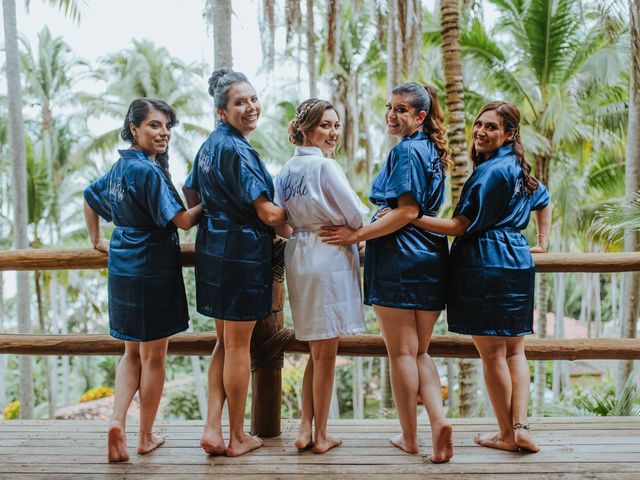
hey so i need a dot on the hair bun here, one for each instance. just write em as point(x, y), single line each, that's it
point(215, 78)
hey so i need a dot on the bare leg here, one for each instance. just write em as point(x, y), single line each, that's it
point(153, 355)
point(519, 370)
point(497, 378)
point(324, 363)
point(400, 335)
point(431, 391)
point(212, 440)
point(235, 376)
point(127, 384)
point(305, 434)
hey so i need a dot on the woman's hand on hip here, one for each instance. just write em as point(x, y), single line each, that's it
point(338, 235)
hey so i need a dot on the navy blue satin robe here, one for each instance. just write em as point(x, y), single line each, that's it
point(408, 268)
point(147, 300)
point(233, 247)
point(491, 278)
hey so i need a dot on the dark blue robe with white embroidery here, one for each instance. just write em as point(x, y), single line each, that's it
point(233, 247)
point(408, 268)
point(491, 278)
point(147, 300)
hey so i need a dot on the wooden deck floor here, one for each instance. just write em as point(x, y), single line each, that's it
point(572, 448)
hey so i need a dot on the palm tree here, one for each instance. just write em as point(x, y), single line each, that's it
point(311, 51)
point(19, 162)
point(51, 73)
point(454, 90)
point(632, 185)
point(20, 239)
point(218, 14)
point(145, 70)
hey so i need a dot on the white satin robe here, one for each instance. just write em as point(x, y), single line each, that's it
point(323, 280)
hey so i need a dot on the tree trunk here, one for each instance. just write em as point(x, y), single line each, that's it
point(3, 358)
point(357, 390)
point(219, 15)
point(452, 400)
point(19, 163)
point(540, 380)
point(454, 91)
point(632, 185)
point(559, 320)
point(597, 305)
point(311, 52)
point(45, 358)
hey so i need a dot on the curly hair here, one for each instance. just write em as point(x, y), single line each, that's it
point(137, 112)
point(307, 117)
point(425, 98)
point(511, 124)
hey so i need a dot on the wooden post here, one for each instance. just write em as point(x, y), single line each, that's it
point(266, 383)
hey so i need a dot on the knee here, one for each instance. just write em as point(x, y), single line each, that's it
point(154, 359)
point(323, 358)
point(131, 358)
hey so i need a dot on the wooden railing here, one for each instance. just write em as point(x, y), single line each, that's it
point(271, 341)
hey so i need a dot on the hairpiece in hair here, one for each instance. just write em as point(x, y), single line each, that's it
point(304, 110)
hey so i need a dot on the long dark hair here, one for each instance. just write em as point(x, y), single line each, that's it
point(511, 123)
point(138, 110)
point(425, 98)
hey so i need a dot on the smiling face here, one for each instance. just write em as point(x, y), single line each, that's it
point(243, 108)
point(488, 133)
point(153, 134)
point(401, 117)
point(325, 135)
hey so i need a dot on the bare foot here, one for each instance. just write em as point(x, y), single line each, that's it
point(212, 442)
point(409, 447)
point(248, 443)
point(495, 441)
point(148, 442)
point(441, 438)
point(304, 440)
point(524, 440)
point(117, 443)
point(325, 444)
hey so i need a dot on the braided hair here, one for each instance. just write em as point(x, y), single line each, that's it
point(137, 112)
point(307, 117)
point(511, 124)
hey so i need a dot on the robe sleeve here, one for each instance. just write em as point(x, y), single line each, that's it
point(162, 201)
point(97, 196)
point(277, 192)
point(193, 182)
point(405, 176)
point(484, 199)
point(338, 192)
point(242, 179)
point(540, 198)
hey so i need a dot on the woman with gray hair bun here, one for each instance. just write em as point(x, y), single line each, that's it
point(233, 252)
point(323, 280)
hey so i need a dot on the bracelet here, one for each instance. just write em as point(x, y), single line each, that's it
point(541, 235)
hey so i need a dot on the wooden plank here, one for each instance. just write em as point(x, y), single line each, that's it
point(584, 468)
point(88, 258)
point(356, 345)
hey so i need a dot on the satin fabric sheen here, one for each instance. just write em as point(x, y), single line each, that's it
point(233, 247)
point(147, 300)
point(408, 268)
point(323, 280)
point(491, 283)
